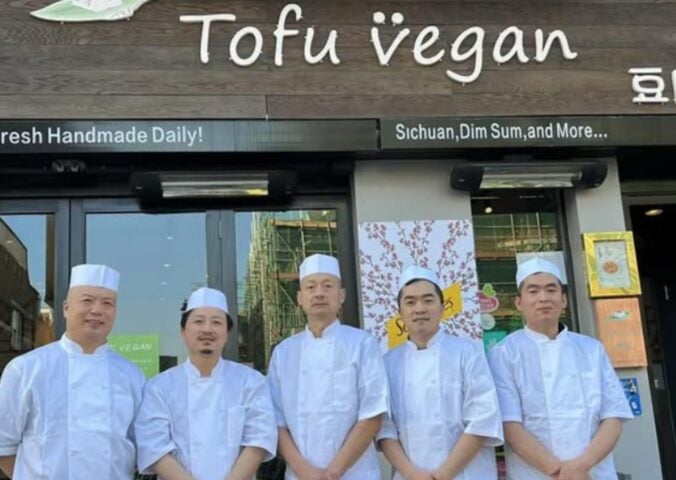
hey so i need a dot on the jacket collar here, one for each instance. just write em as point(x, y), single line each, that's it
point(194, 373)
point(539, 337)
point(329, 332)
point(71, 346)
point(431, 343)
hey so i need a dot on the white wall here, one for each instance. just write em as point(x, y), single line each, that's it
point(407, 190)
point(599, 210)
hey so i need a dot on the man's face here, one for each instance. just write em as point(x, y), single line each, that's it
point(206, 331)
point(90, 314)
point(541, 300)
point(321, 296)
point(421, 309)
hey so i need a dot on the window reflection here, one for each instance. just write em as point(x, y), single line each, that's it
point(161, 259)
point(499, 239)
point(505, 227)
point(270, 246)
point(26, 284)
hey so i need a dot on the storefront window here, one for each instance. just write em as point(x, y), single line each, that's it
point(270, 247)
point(168, 259)
point(508, 228)
point(26, 284)
point(161, 260)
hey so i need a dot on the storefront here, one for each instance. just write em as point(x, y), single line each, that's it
point(220, 142)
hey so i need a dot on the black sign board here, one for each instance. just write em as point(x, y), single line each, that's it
point(187, 136)
point(468, 132)
point(91, 136)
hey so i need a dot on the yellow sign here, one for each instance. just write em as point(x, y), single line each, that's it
point(396, 330)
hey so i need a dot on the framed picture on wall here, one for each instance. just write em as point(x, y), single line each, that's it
point(618, 327)
point(612, 270)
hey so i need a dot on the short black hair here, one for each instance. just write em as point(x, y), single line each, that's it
point(437, 290)
point(186, 313)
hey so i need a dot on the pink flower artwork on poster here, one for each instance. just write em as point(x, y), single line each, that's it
point(444, 246)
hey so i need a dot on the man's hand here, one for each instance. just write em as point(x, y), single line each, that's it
point(328, 475)
point(420, 475)
point(439, 474)
point(575, 469)
point(310, 472)
point(553, 468)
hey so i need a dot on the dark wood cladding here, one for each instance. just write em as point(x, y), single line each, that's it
point(149, 67)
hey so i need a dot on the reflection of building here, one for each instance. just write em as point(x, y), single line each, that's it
point(279, 242)
point(19, 301)
point(499, 238)
point(44, 327)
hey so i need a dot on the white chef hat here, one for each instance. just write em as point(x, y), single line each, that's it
point(415, 272)
point(319, 263)
point(87, 275)
point(536, 265)
point(208, 297)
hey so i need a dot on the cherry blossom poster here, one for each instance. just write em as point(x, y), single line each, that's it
point(444, 246)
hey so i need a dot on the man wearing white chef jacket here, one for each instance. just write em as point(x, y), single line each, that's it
point(209, 418)
point(445, 420)
point(66, 409)
point(562, 403)
point(328, 385)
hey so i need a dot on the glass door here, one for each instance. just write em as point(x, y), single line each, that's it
point(33, 257)
point(510, 228)
point(253, 256)
point(161, 258)
point(270, 246)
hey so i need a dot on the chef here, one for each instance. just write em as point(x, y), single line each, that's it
point(561, 401)
point(208, 418)
point(445, 420)
point(328, 385)
point(66, 409)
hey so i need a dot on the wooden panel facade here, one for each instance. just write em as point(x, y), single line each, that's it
point(149, 67)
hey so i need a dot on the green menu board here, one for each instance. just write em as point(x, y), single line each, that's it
point(143, 350)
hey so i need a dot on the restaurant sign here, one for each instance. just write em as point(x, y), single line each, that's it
point(388, 31)
point(85, 136)
point(471, 132)
point(430, 48)
point(90, 136)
